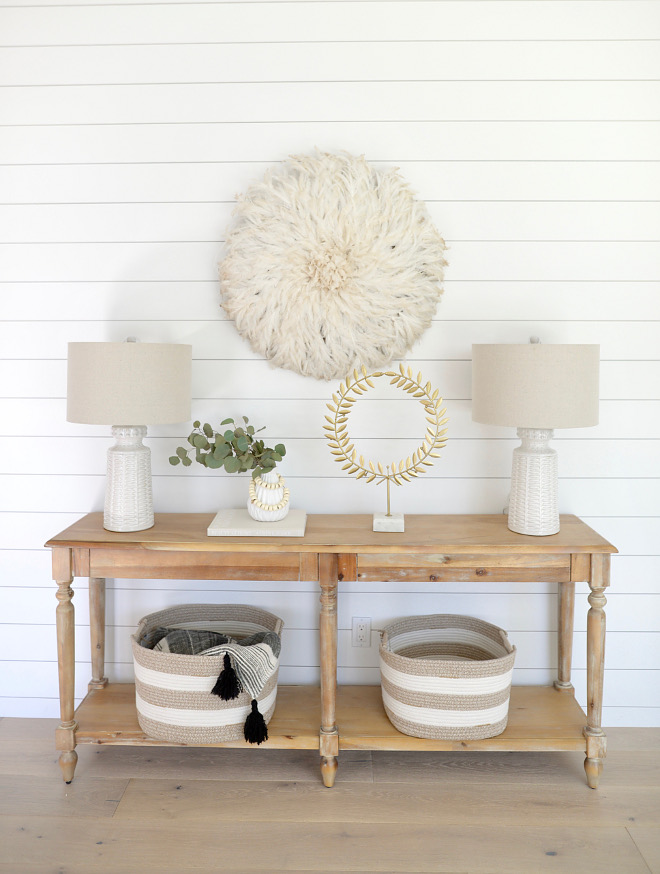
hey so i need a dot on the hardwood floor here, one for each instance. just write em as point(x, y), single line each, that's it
point(138, 810)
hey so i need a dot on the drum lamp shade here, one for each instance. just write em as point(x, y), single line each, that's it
point(128, 383)
point(534, 385)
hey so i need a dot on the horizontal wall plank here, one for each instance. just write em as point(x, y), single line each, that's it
point(524, 612)
point(210, 222)
point(179, 493)
point(232, 22)
point(622, 420)
point(240, 380)
point(535, 650)
point(542, 300)
point(153, 261)
point(338, 61)
point(214, 181)
point(383, 141)
point(618, 340)
point(335, 101)
point(460, 459)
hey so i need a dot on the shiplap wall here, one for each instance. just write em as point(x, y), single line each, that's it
point(532, 131)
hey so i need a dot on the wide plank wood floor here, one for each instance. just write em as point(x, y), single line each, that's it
point(167, 810)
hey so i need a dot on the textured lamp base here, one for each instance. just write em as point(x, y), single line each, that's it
point(128, 499)
point(533, 506)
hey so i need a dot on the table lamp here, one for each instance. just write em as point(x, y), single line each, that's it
point(121, 384)
point(535, 388)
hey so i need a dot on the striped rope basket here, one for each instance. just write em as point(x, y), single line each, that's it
point(173, 692)
point(446, 676)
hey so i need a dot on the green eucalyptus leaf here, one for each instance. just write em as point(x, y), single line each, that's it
point(196, 424)
point(275, 456)
point(181, 452)
point(174, 459)
point(245, 419)
point(226, 422)
point(208, 430)
point(250, 430)
point(279, 448)
point(228, 435)
point(221, 451)
point(212, 462)
point(186, 461)
point(232, 465)
point(201, 442)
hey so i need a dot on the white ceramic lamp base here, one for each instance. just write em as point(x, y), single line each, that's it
point(533, 506)
point(128, 498)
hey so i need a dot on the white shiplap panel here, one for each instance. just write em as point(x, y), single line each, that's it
point(460, 168)
point(214, 181)
point(474, 261)
point(198, 222)
point(338, 61)
point(335, 101)
point(540, 300)
point(384, 141)
point(355, 21)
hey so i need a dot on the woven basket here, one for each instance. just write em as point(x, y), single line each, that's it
point(446, 676)
point(173, 692)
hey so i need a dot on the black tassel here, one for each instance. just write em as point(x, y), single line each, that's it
point(227, 686)
point(255, 729)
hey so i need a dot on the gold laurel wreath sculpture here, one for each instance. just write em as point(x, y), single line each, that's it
point(397, 471)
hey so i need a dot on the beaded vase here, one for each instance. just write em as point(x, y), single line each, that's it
point(268, 500)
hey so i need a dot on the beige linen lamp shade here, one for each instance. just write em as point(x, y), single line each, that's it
point(534, 385)
point(128, 383)
point(129, 386)
point(535, 388)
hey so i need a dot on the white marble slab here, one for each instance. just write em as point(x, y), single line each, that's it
point(239, 523)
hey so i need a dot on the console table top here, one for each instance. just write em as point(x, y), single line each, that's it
point(342, 533)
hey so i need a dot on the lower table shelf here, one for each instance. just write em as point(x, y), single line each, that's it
point(540, 718)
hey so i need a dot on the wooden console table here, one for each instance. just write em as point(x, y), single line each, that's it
point(433, 548)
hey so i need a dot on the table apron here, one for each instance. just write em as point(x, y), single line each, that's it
point(416, 567)
point(194, 565)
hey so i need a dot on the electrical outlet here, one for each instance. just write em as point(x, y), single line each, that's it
point(361, 631)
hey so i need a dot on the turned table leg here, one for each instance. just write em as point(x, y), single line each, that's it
point(593, 732)
point(97, 631)
point(565, 646)
point(329, 736)
point(65, 734)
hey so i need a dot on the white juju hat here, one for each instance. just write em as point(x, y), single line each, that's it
point(330, 265)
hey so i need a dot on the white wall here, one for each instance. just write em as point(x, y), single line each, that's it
point(531, 130)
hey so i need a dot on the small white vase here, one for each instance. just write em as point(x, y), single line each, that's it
point(268, 500)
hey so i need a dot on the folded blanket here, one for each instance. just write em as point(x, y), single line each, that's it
point(192, 641)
